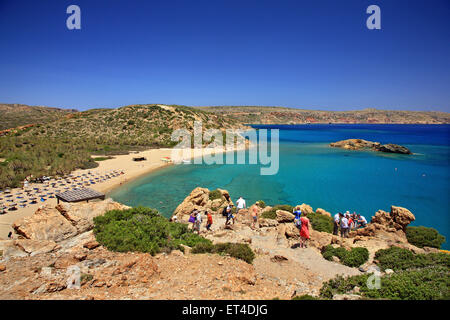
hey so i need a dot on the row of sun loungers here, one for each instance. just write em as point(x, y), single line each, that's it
point(30, 195)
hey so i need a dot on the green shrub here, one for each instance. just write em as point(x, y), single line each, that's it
point(320, 222)
point(237, 250)
point(351, 258)
point(142, 229)
point(396, 258)
point(203, 248)
point(430, 283)
point(424, 237)
point(102, 158)
point(261, 204)
point(269, 215)
point(356, 257)
point(305, 297)
point(215, 194)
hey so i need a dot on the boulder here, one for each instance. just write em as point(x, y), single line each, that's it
point(353, 144)
point(46, 223)
point(82, 215)
point(91, 245)
point(398, 219)
point(264, 222)
point(199, 199)
point(10, 250)
point(392, 148)
point(284, 216)
point(319, 239)
point(306, 208)
point(322, 211)
point(291, 231)
point(34, 247)
point(278, 258)
point(402, 216)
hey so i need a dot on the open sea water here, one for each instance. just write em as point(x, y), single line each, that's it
point(330, 178)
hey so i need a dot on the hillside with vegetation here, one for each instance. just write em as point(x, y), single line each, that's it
point(15, 115)
point(60, 146)
point(281, 115)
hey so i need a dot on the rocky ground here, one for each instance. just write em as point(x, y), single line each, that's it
point(55, 241)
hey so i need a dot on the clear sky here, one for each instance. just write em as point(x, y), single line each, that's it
point(305, 54)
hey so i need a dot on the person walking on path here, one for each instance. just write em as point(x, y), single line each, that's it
point(304, 231)
point(198, 221)
point(254, 212)
point(209, 221)
point(229, 211)
point(192, 218)
point(240, 204)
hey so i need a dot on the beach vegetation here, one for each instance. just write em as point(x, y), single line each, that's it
point(69, 141)
point(424, 237)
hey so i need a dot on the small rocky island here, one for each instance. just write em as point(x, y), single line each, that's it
point(360, 144)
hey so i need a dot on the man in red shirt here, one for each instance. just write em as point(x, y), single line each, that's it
point(209, 221)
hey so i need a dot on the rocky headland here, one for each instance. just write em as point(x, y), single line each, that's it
point(361, 144)
point(36, 263)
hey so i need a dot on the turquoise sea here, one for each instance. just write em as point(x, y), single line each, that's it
point(333, 179)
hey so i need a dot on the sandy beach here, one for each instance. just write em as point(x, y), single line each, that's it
point(126, 170)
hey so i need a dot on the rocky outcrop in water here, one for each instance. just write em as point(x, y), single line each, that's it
point(361, 144)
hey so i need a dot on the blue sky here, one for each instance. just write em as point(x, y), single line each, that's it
point(305, 54)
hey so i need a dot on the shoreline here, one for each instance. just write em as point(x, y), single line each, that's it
point(132, 170)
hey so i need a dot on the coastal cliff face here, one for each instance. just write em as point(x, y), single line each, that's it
point(37, 263)
point(361, 144)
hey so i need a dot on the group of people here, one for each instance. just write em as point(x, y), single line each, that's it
point(196, 219)
point(343, 222)
point(229, 212)
point(346, 222)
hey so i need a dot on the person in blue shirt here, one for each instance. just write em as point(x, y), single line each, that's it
point(297, 212)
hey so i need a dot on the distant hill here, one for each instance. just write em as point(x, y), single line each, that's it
point(281, 115)
point(67, 143)
point(14, 115)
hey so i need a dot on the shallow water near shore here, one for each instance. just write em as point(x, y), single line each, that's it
point(333, 179)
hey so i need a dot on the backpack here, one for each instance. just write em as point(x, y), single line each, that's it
point(224, 212)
